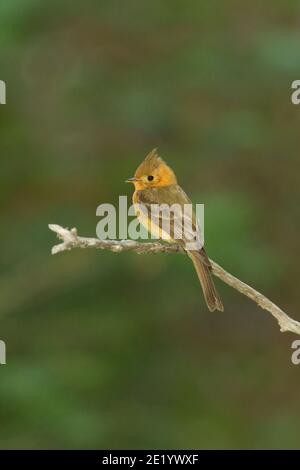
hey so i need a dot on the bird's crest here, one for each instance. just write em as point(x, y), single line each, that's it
point(151, 162)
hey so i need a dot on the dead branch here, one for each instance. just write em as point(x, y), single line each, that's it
point(71, 240)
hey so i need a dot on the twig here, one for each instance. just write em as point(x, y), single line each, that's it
point(71, 240)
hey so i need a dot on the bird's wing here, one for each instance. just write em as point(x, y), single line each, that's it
point(171, 210)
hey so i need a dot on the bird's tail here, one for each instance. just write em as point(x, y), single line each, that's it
point(203, 268)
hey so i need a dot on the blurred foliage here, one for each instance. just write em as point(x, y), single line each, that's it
point(119, 351)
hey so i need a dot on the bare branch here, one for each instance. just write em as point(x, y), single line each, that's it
point(71, 240)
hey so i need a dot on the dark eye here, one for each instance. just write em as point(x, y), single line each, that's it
point(150, 178)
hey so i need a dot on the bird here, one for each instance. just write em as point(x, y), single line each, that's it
point(155, 184)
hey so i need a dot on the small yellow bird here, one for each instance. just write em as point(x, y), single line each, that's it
point(156, 184)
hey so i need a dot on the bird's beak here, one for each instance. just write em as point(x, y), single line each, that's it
point(132, 180)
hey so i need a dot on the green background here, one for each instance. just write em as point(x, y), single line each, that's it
point(118, 350)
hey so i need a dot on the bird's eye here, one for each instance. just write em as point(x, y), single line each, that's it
point(150, 178)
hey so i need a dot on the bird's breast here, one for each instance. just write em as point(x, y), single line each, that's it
point(143, 214)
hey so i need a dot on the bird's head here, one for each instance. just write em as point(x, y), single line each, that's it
point(153, 172)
